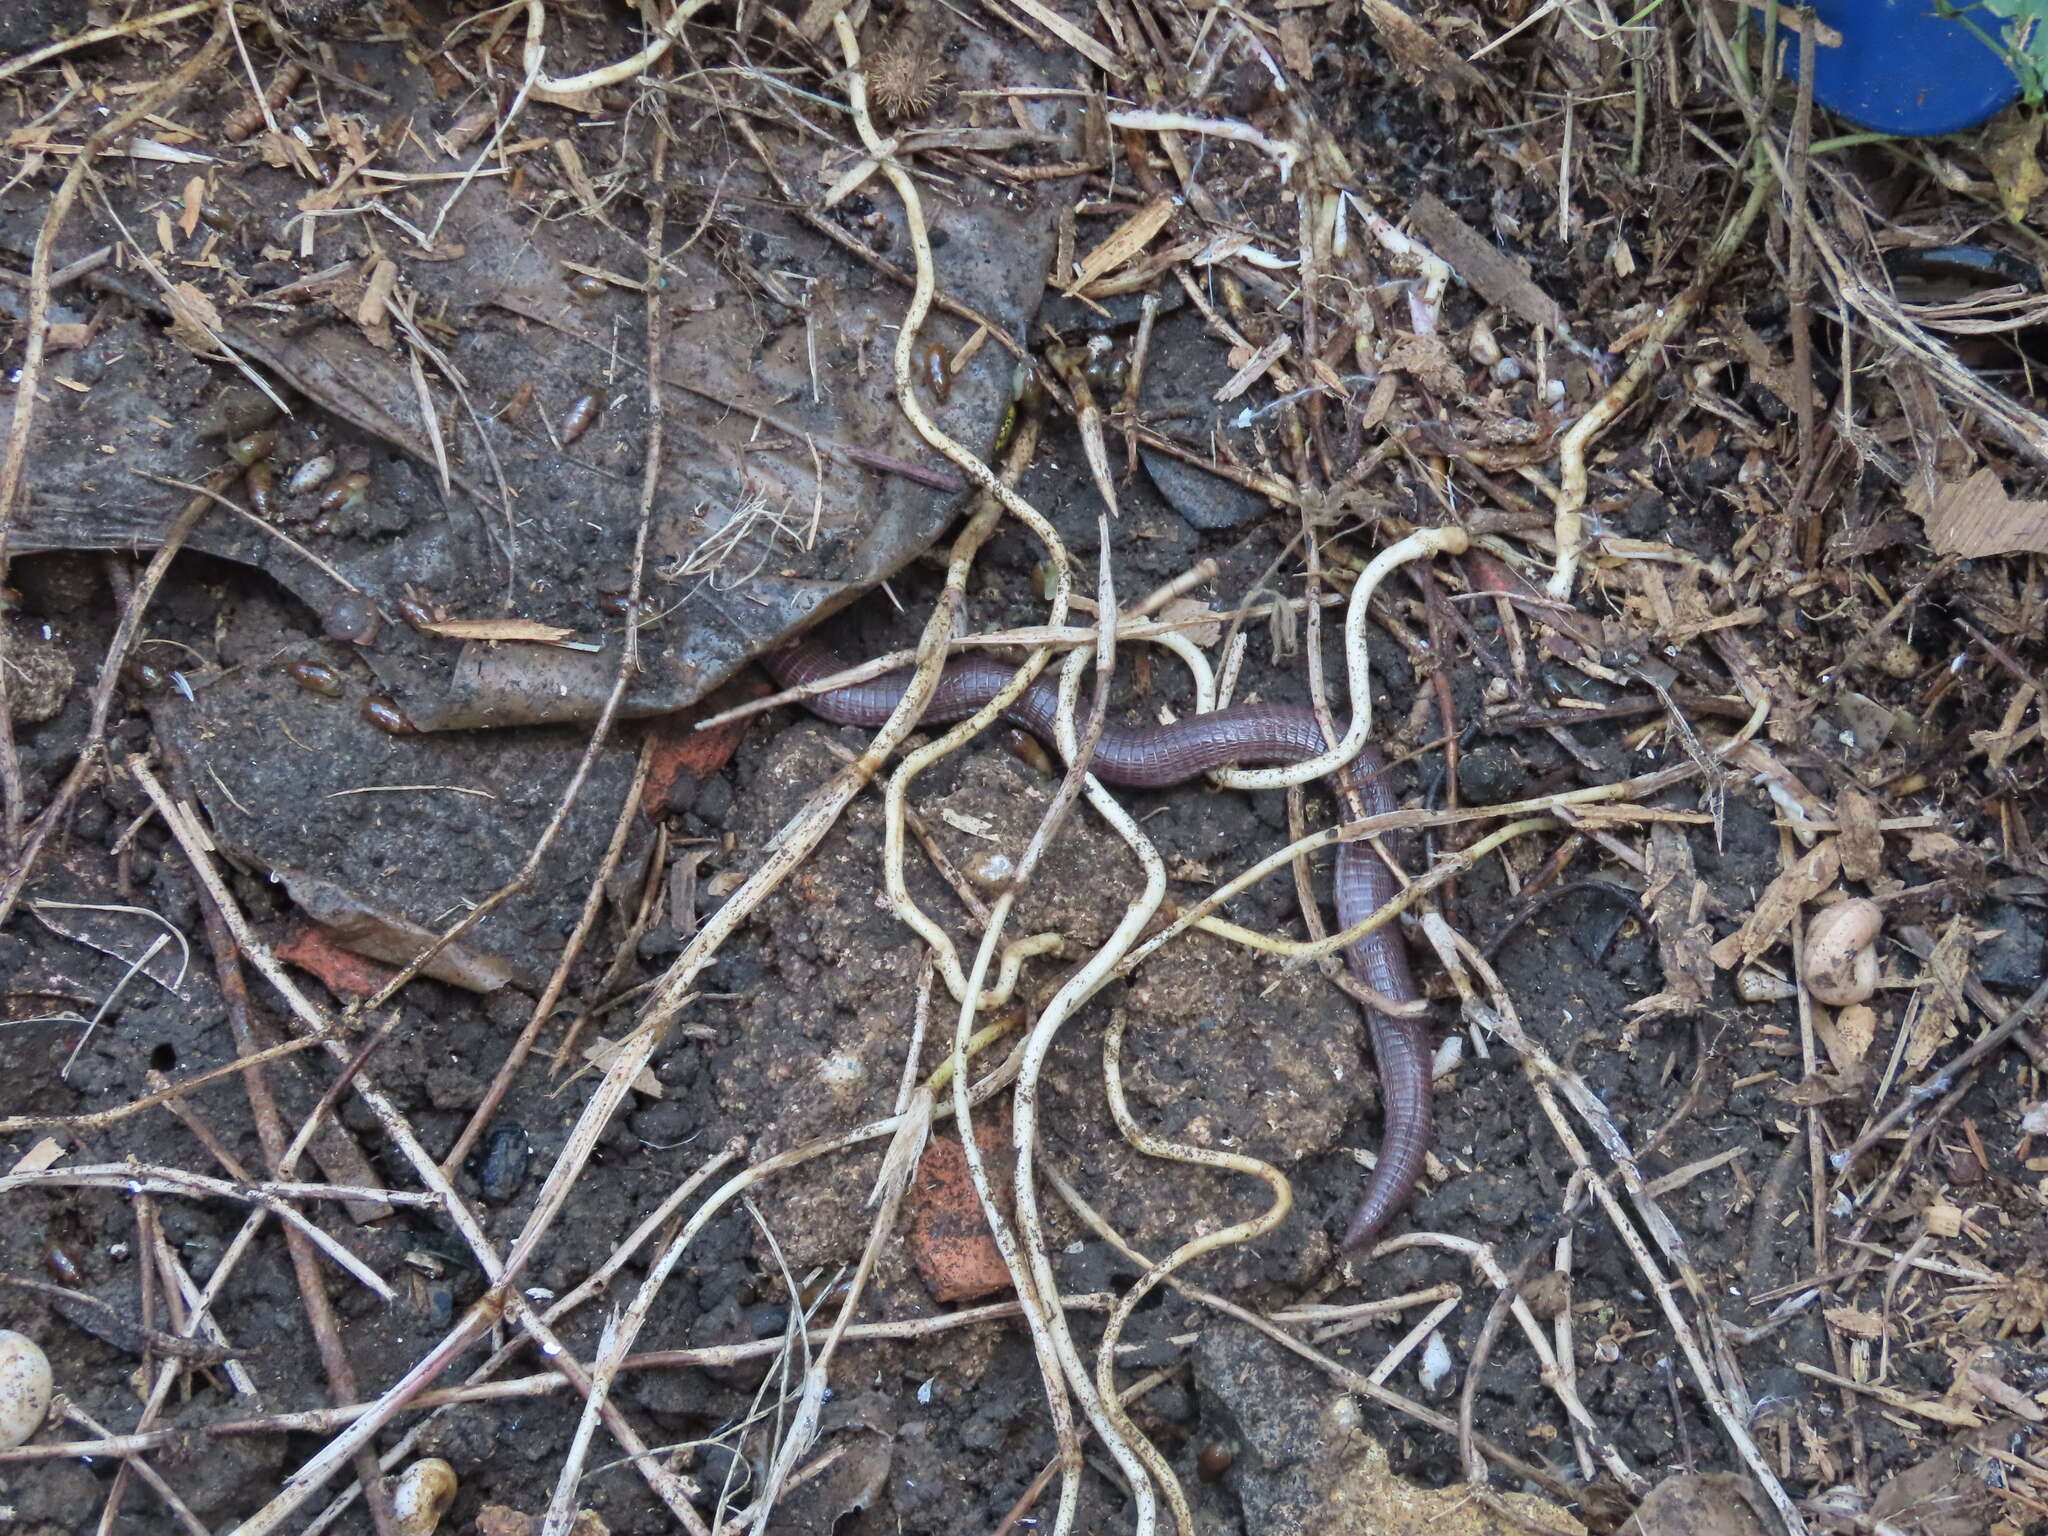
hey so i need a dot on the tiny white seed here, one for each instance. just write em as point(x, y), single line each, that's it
point(25, 1388)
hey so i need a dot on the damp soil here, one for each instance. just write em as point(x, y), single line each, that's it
point(802, 1031)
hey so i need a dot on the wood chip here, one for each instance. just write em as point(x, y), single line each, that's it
point(1254, 368)
point(1420, 55)
point(1848, 1035)
point(1944, 1220)
point(1975, 517)
point(1095, 53)
point(1674, 899)
point(1497, 277)
point(973, 826)
point(44, 1154)
point(1124, 242)
point(1779, 904)
point(194, 320)
point(1862, 845)
point(1855, 1322)
point(373, 310)
point(195, 203)
point(531, 631)
point(1938, 1004)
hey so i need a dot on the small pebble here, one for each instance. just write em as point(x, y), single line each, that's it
point(502, 1163)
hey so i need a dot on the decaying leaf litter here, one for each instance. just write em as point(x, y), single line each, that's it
point(535, 371)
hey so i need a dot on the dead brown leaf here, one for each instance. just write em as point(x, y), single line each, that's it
point(2009, 148)
point(1696, 1504)
point(1848, 1035)
point(1941, 1496)
point(602, 1053)
point(1829, 1088)
point(194, 320)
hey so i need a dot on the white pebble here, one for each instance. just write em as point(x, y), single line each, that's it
point(1449, 1057)
point(25, 1388)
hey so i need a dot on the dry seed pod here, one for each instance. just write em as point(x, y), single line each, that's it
point(422, 1495)
point(25, 1388)
point(1841, 952)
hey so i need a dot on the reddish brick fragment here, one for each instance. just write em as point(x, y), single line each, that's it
point(949, 1238)
point(342, 971)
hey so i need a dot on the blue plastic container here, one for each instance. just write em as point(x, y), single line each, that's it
point(1903, 68)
